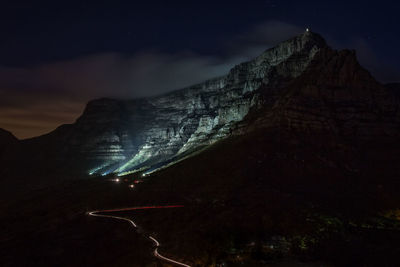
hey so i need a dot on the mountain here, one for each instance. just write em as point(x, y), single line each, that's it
point(7, 140)
point(291, 159)
point(300, 84)
point(122, 135)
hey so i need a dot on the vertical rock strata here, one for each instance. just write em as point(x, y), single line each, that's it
point(124, 135)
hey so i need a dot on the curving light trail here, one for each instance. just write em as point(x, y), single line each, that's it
point(158, 255)
point(157, 244)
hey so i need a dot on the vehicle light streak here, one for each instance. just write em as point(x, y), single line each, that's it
point(158, 255)
point(94, 213)
point(157, 244)
point(142, 208)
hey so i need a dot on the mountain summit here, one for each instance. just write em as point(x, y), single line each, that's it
point(301, 85)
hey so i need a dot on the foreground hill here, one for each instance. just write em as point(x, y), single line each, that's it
point(270, 197)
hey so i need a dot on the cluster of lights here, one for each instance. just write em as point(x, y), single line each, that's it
point(117, 178)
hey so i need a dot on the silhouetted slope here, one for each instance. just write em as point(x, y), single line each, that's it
point(310, 197)
point(311, 173)
point(7, 142)
point(6, 137)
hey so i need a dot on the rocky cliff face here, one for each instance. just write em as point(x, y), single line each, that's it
point(300, 84)
point(119, 136)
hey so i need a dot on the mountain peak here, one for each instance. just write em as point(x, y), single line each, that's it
point(310, 36)
point(308, 39)
point(306, 44)
point(334, 95)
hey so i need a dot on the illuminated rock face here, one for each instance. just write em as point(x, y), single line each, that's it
point(121, 135)
point(301, 85)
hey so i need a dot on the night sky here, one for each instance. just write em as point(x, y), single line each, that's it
point(55, 55)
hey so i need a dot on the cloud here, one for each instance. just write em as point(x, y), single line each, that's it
point(115, 75)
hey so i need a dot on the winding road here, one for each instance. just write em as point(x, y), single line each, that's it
point(156, 243)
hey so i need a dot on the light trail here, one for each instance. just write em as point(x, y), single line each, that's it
point(157, 244)
point(142, 208)
point(93, 213)
point(158, 255)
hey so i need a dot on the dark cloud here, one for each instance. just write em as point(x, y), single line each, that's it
point(115, 75)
